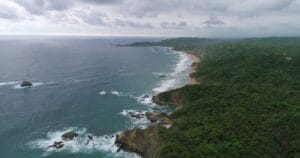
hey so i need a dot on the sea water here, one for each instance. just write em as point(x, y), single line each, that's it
point(82, 84)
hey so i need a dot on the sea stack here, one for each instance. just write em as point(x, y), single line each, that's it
point(69, 136)
point(26, 84)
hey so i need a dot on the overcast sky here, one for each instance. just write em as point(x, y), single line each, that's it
point(202, 18)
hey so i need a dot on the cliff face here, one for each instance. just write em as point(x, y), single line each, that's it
point(145, 142)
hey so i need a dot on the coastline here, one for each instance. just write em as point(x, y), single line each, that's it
point(208, 110)
point(196, 60)
point(147, 142)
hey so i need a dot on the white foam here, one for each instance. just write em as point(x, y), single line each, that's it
point(184, 63)
point(34, 84)
point(165, 85)
point(145, 99)
point(116, 93)
point(9, 83)
point(80, 144)
point(102, 93)
point(179, 76)
point(141, 122)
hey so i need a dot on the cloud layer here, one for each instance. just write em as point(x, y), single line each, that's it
point(214, 18)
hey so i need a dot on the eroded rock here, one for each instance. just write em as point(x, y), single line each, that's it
point(26, 84)
point(57, 145)
point(146, 143)
point(69, 136)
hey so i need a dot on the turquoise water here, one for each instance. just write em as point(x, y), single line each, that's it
point(85, 85)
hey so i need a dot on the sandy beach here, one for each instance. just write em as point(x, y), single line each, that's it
point(196, 60)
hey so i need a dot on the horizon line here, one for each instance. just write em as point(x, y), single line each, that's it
point(133, 36)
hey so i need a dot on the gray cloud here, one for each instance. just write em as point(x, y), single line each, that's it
point(128, 23)
point(103, 1)
point(8, 12)
point(32, 6)
point(59, 5)
point(41, 6)
point(94, 18)
point(213, 20)
point(176, 17)
point(154, 8)
point(173, 25)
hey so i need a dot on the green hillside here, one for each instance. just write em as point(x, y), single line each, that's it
point(247, 105)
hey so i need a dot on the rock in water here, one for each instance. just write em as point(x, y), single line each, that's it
point(145, 96)
point(163, 76)
point(56, 145)
point(26, 84)
point(69, 136)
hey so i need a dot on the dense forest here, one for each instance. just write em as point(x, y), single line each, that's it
point(248, 102)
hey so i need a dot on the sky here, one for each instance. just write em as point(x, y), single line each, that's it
point(162, 18)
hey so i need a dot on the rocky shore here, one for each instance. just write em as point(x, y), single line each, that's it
point(147, 142)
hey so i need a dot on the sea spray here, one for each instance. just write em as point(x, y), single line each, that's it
point(179, 76)
point(85, 142)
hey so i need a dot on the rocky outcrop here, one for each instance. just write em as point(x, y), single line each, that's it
point(57, 145)
point(169, 98)
point(162, 76)
point(161, 118)
point(137, 115)
point(26, 84)
point(164, 119)
point(69, 136)
point(145, 142)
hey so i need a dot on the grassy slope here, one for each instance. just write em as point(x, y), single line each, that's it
point(248, 102)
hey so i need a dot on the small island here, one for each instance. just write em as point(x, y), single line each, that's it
point(26, 84)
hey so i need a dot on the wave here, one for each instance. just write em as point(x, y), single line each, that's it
point(80, 144)
point(145, 99)
point(184, 63)
point(116, 93)
point(9, 83)
point(34, 84)
point(17, 84)
point(102, 93)
point(136, 117)
point(178, 77)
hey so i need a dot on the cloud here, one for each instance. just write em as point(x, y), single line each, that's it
point(102, 1)
point(94, 18)
point(250, 7)
point(59, 5)
point(173, 25)
point(213, 20)
point(41, 6)
point(155, 17)
point(129, 23)
point(32, 6)
point(9, 11)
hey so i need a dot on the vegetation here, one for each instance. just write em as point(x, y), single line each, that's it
point(247, 105)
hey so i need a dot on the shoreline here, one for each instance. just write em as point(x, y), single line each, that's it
point(147, 142)
point(196, 60)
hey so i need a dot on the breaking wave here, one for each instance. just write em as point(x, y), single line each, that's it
point(84, 143)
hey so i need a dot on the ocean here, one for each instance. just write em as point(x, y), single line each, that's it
point(82, 84)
